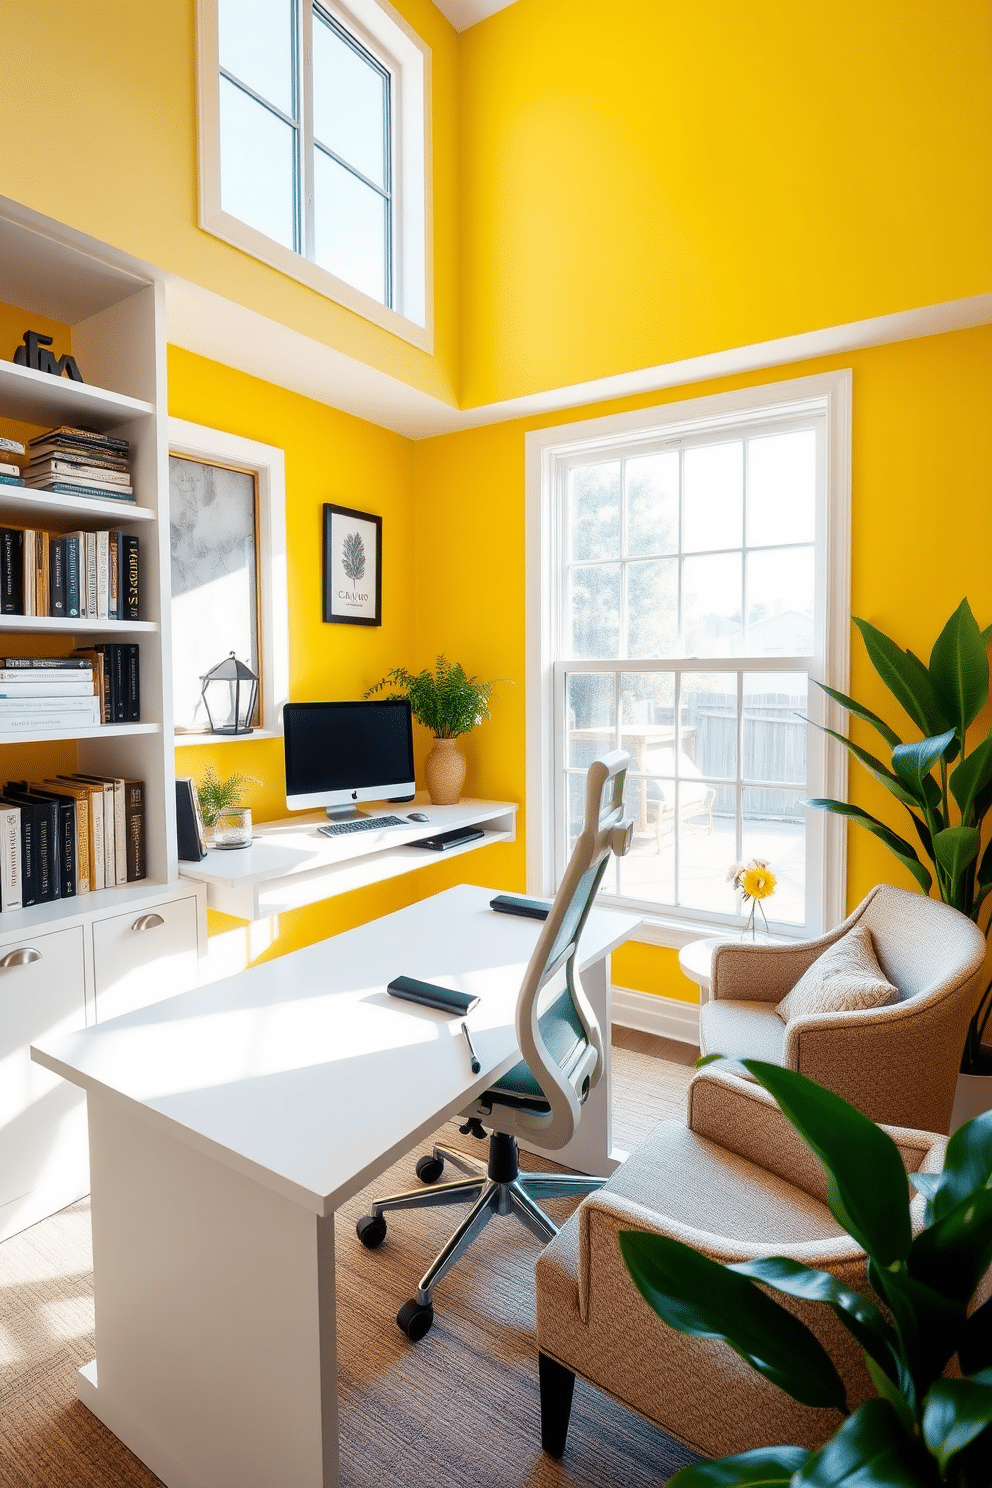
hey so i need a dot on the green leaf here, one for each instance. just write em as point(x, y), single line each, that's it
point(955, 1411)
point(987, 635)
point(906, 678)
point(975, 1346)
point(888, 734)
point(696, 1296)
point(897, 845)
point(967, 1164)
point(870, 1450)
point(959, 669)
point(985, 868)
point(929, 1324)
point(953, 1255)
point(902, 1402)
point(765, 1467)
point(867, 1190)
point(972, 776)
point(875, 767)
point(955, 849)
point(913, 762)
point(859, 1315)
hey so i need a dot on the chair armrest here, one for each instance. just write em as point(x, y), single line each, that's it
point(742, 1117)
point(764, 973)
point(604, 1282)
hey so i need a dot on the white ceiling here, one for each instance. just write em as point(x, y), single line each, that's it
point(465, 13)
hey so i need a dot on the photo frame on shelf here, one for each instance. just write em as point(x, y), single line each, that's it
point(352, 566)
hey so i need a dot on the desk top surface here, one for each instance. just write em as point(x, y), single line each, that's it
point(303, 1072)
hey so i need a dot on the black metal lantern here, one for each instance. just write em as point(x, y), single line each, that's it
point(229, 692)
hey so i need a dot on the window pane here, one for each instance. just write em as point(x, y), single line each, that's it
point(212, 527)
point(576, 787)
point(776, 830)
point(594, 511)
point(653, 504)
point(780, 602)
point(647, 873)
point(591, 715)
point(711, 605)
point(713, 504)
point(257, 166)
point(781, 488)
point(708, 732)
point(652, 608)
point(775, 732)
point(647, 732)
point(595, 610)
point(707, 848)
point(349, 103)
point(256, 44)
point(349, 227)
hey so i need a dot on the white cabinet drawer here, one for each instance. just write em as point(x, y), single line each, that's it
point(42, 1117)
point(141, 957)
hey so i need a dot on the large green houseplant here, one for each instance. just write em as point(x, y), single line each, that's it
point(925, 1428)
point(944, 780)
point(448, 702)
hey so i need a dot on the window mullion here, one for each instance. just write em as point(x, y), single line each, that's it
point(305, 172)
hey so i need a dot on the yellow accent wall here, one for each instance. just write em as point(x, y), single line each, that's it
point(99, 131)
point(922, 472)
point(658, 180)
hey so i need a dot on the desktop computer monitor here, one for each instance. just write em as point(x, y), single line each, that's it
point(338, 754)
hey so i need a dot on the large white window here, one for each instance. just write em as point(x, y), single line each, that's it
point(313, 147)
point(689, 580)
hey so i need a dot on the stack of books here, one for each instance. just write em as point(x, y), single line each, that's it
point(68, 836)
point(80, 462)
point(10, 471)
point(48, 693)
point(72, 575)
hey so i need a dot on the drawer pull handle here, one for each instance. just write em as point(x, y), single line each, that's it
point(148, 922)
point(23, 956)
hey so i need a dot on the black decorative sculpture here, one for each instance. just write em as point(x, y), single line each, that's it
point(34, 354)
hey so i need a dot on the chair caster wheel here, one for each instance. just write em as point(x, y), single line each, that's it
point(429, 1169)
point(371, 1230)
point(414, 1320)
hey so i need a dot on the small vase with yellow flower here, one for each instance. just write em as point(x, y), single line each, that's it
point(756, 881)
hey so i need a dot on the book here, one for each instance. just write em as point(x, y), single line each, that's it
point(113, 825)
point(10, 856)
point(49, 481)
point(134, 806)
point(11, 571)
point(29, 850)
point(114, 600)
point(101, 828)
point(85, 865)
point(46, 845)
point(47, 684)
point(6, 469)
point(102, 575)
point(130, 570)
point(11, 480)
point(12, 446)
point(83, 437)
point(30, 572)
point(46, 663)
point(89, 576)
point(42, 597)
point(66, 488)
point(72, 570)
point(99, 475)
point(10, 706)
point(95, 659)
point(29, 723)
point(132, 703)
point(56, 576)
point(75, 456)
point(65, 840)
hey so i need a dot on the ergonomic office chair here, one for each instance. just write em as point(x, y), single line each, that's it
point(541, 1097)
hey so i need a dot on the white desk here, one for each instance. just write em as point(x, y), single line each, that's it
point(291, 863)
point(228, 1124)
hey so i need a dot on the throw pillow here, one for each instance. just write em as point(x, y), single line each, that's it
point(846, 978)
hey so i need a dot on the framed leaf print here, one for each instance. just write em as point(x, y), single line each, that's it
point(352, 567)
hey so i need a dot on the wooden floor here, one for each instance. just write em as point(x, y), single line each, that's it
point(459, 1410)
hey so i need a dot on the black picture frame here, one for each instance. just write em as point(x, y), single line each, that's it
point(352, 583)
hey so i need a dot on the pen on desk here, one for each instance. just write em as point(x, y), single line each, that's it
point(476, 1066)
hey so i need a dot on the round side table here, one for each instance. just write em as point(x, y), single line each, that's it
point(695, 960)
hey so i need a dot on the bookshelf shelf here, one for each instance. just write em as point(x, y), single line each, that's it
point(52, 625)
point(34, 508)
point(100, 731)
point(40, 398)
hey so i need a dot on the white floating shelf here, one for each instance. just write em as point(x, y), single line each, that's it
point(54, 624)
point(96, 731)
point(93, 511)
point(40, 398)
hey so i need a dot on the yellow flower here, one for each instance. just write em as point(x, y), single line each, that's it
point(758, 882)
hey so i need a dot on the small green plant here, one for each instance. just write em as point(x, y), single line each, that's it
point(447, 701)
point(943, 699)
point(925, 1428)
point(218, 795)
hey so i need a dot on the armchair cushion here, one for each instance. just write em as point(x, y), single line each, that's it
point(846, 978)
point(742, 1030)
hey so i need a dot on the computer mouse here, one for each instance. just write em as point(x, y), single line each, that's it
point(417, 816)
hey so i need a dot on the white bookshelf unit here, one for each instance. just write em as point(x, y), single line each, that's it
point(83, 959)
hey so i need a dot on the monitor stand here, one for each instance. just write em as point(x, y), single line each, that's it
point(344, 813)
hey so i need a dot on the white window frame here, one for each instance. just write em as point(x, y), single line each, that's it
point(384, 33)
point(267, 463)
point(546, 451)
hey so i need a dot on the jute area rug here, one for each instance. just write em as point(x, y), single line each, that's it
point(458, 1410)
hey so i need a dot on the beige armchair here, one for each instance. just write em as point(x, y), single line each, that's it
point(897, 1063)
point(737, 1182)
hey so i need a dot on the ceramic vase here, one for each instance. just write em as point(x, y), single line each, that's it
point(445, 768)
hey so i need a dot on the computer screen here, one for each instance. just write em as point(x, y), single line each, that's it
point(338, 754)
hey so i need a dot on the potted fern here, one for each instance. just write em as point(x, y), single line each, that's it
point(927, 1340)
point(944, 782)
point(219, 796)
point(449, 703)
